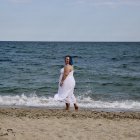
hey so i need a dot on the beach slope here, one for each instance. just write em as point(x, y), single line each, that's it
point(56, 124)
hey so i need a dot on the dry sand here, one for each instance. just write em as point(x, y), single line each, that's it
point(56, 124)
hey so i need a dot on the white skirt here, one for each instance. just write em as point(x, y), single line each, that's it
point(65, 92)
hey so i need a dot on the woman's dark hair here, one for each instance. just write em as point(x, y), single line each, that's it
point(71, 62)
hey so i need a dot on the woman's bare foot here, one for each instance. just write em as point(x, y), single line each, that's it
point(67, 106)
point(76, 107)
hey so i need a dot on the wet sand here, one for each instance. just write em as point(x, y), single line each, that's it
point(57, 124)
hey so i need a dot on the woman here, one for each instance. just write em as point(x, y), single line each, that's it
point(67, 84)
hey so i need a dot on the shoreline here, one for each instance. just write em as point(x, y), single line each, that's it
point(72, 108)
point(39, 112)
point(58, 124)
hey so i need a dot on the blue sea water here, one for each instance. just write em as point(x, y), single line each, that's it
point(107, 74)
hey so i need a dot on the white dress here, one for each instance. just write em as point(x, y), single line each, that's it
point(65, 92)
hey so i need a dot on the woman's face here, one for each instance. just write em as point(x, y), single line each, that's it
point(67, 60)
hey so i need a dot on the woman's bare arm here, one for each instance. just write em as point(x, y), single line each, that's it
point(66, 73)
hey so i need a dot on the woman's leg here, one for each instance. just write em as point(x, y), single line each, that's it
point(76, 107)
point(67, 106)
point(67, 103)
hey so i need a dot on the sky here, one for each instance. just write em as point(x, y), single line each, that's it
point(69, 20)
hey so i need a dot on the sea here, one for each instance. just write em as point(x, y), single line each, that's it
point(107, 74)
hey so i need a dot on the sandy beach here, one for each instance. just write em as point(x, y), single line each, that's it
point(57, 124)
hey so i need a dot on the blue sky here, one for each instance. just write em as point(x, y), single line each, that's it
point(70, 20)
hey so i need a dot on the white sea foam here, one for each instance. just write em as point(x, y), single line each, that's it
point(34, 101)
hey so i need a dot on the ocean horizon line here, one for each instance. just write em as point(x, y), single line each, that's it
point(57, 41)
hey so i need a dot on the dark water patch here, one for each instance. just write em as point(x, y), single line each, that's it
point(131, 78)
point(105, 84)
point(12, 90)
point(74, 56)
point(135, 62)
point(123, 84)
point(117, 84)
point(124, 65)
point(5, 60)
